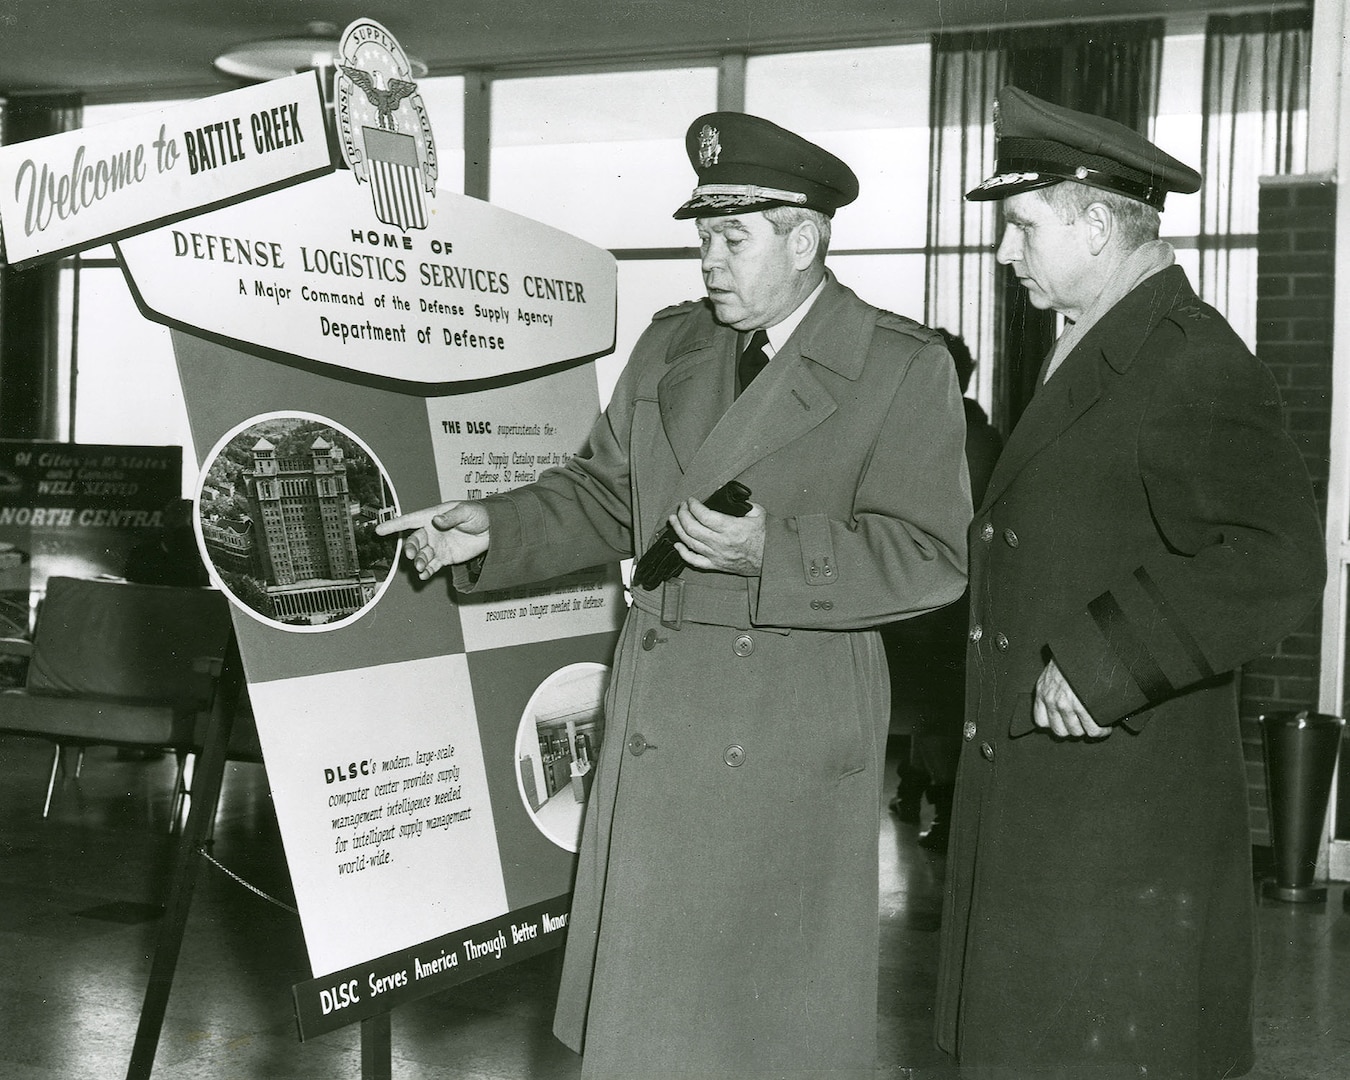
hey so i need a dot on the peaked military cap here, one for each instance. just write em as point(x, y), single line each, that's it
point(1041, 144)
point(746, 163)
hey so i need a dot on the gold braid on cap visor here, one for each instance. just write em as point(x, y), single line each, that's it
point(750, 191)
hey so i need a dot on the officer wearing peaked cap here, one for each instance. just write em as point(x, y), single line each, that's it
point(1148, 528)
point(745, 163)
point(1040, 144)
point(730, 844)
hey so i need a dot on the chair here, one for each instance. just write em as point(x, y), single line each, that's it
point(120, 664)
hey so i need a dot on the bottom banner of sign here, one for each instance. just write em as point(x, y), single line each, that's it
point(381, 985)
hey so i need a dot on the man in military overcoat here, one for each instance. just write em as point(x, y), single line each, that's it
point(1148, 528)
point(724, 921)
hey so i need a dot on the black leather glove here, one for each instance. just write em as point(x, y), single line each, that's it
point(661, 561)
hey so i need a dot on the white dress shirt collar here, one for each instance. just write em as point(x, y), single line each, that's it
point(779, 333)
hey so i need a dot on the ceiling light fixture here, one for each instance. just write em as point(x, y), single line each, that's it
point(275, 58)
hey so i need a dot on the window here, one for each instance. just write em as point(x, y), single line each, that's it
point(599, 156)
point(870, 107)
point(602, 156)
point(119, 381)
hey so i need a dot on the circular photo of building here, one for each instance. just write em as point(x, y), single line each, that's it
point(285, 517)
point(557, 747)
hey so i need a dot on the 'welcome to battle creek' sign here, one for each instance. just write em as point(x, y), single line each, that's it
point(69, 191)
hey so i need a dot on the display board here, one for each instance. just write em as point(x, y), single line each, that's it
point(343, 361)
point(395, 717)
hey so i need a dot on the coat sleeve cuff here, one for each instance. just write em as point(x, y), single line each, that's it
point(1105, 682)
point(506, 532)
point(798, 554)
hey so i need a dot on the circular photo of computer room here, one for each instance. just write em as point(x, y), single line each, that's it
point(557, 747)
point(285, 518)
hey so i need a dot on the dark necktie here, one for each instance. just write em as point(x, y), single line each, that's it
point(752, 359)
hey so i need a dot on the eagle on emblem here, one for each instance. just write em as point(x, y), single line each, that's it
point(709, 146)
point(385, 99)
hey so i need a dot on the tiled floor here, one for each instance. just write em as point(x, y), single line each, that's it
point(77, 931)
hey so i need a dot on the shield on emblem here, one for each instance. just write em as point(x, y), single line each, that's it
point(394, 181)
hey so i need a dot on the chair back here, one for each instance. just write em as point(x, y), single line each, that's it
point(128, 642)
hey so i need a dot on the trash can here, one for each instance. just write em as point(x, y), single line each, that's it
point(1301, 749)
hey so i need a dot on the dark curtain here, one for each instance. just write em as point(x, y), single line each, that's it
point(967, 72)
point(1110, 69)
point(1255, 117)
point(29, 320)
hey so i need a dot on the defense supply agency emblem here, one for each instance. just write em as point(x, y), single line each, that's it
point(382, 125)
point(709, 146)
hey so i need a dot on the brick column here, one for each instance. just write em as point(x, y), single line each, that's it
point(1294, 309)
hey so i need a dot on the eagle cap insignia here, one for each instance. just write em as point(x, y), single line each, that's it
point(709, 146)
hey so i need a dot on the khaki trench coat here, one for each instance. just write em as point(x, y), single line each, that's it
point(1151, 526)
point(724, 920)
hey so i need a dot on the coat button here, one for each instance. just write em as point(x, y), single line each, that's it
point(734, 755)
point(744, 645)
point(1010, 538)
point(987, 751)
point(638, 745)
point(1001, 642)
point(976, 632)
point(649, 640)
point(987, 531)
point(968, 730)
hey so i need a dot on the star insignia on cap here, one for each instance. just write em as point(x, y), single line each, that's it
point(709, 146)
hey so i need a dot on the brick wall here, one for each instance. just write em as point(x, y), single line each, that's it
point(1295, 277)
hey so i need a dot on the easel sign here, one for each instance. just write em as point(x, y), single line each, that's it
point(348, 348)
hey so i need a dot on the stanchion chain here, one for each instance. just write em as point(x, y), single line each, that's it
point(249, 886)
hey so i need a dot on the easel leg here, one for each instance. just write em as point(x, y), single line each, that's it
point(376, 1048)
point(206, 783)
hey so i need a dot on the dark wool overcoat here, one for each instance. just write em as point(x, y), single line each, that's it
point(724, 920)
point(1151, 527)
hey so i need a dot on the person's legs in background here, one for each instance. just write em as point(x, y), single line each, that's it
point(912, 781)
point(939, 753)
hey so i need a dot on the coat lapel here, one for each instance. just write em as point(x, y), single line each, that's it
point(698, 387)
point(783, 404)
point(786, 401)
point(1112, 344)
point(1072, 390)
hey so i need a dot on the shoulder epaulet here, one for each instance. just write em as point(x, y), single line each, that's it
point(676, 309)
point(1205, 329)
point(1191, 311)
point(902, 325)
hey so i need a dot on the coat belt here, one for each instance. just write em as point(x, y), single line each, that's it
point(680, 601)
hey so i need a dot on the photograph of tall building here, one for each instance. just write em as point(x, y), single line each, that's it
point(288, 513)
